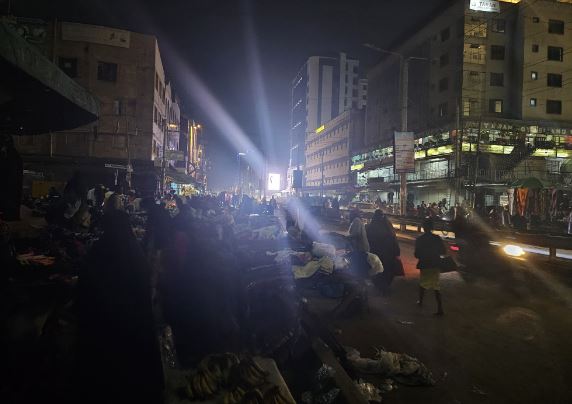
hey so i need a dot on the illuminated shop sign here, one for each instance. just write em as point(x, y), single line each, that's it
point(485, 5)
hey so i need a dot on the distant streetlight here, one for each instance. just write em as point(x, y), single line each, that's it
point(404, 73)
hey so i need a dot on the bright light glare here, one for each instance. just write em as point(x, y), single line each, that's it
point(513, 250)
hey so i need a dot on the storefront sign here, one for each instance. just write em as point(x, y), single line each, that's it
point(404, 143)
point(485, 5)
point(273, 182)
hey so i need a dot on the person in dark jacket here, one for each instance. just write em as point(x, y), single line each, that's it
point(383, 243)
point(119, 358)
point(428, 249)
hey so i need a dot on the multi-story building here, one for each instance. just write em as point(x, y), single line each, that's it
point(488, 104)
point(139, 111)
point(328, 155)
point(323, 88)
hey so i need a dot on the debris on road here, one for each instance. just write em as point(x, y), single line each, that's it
point(404, 322)
point(402, 368)
point(369, 391)
point(477, 390)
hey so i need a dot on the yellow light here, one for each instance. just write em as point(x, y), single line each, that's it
point(320, 129)
point(173, 126)
point(419, 154)
point(513, 250)
point(437, 151)
point(356, 167)
point(544, 153)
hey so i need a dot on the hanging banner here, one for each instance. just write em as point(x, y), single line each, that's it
point(404, 152)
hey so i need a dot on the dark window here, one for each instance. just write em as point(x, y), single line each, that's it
point(554, 80)
point(497, 52)
point(554, 107)
point(497, 79)
point(499, 25)
point(443, 109)
point(443, 84)
point(117, 107)
point(495, 106)
point(533, 102)
point(555, 53)
point(534, 75)
point(556, 27)
point(354, 93)
point(445, 34)
point(444, 60)
point(535, 20)
point(107, 71)
point(69, 66)
point(535, 48)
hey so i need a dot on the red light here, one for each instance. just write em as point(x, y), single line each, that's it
point(454, 248)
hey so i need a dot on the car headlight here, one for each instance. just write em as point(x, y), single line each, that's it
point(513, 250)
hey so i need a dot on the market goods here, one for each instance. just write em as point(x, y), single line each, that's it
point(218, 366)
point(253, 397)
point(233, 396)
point(201, 385)
point(274, 395)
point(249, 373)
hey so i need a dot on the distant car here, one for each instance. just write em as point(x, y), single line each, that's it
point(363, 206)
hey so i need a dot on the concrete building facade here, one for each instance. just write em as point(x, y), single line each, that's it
point(323, 88)
point(488, 105)
point(328, 154)
point(124, 70)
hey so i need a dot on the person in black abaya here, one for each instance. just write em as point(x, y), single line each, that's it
point(383, 243)
point(119, 358)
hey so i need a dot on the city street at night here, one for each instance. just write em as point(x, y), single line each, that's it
point(285, 201)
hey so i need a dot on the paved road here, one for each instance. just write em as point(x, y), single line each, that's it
point(499, 342)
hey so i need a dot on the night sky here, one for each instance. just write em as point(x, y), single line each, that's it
point(216, 39)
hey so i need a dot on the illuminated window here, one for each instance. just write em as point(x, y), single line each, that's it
point(533, 102)
point(495, 106)
point(534, 75)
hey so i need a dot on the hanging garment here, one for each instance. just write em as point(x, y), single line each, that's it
point(521, 198)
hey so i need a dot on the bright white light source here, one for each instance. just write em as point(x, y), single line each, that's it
point(513, 250)
point(273, 182)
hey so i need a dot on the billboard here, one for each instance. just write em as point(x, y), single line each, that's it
point(485, 5)
point(404, 152)
point(273, 182)
point(95, 34)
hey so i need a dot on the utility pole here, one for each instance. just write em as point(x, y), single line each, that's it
point(404, 71)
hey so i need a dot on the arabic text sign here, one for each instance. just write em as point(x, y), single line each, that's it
point(404, 152)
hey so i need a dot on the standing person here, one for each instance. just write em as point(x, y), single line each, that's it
point(428, 249)
point(358, 235)
point(383, 243)
point(273, 205)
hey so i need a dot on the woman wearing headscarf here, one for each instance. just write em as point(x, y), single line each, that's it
point(119, 359)
point(383, 243)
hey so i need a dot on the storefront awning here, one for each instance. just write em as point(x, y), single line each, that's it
point(180, 178)
point(35, 95)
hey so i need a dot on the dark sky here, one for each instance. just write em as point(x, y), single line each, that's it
point(211, 37)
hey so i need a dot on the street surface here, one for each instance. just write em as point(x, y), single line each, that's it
point(497, 343)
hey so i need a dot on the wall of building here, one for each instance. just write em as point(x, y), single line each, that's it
point(126, 102)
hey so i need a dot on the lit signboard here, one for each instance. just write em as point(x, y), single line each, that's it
point(273, 182)
point(320, 129)
point(357, 167)
point(404, 152)
point(485, 5)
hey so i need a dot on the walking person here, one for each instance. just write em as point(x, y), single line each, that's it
point(383, 243)
point(358, 235)
point(428, 249)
